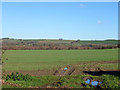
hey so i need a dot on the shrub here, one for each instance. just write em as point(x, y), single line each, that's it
point(18, 77)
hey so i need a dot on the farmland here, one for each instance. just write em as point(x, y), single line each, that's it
point(46, 67)
point(25, 60)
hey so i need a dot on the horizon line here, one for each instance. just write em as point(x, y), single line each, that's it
point(57, 39)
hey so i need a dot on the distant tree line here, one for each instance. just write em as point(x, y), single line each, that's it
point(60, 44)
point(61, 47)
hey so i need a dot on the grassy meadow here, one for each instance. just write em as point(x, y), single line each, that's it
point(53, 59)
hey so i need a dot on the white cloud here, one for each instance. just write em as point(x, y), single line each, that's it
point(99, 22)
point(82, 5)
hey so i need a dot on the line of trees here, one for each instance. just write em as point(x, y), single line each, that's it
point(60, 47)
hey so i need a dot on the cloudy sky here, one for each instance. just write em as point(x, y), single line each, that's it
point(75, 20)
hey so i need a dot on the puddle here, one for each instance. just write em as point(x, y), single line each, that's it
point(93, 83)
point(65, 68)
point(87, 81)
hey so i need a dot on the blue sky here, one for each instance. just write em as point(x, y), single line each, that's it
point(67, 20)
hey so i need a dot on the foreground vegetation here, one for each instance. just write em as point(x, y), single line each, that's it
point(76, 81)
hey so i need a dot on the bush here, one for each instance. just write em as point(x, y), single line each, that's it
point(18, 77)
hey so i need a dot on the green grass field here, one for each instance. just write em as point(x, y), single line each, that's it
point(52, 59)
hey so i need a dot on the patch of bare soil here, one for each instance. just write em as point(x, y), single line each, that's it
point(79, 69)
point(52, 88)
point(62, 71)
point(11, 84)
point(34, 72)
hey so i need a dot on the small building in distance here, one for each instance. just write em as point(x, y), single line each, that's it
point(60, 39)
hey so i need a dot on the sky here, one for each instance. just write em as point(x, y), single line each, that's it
point(54, 20)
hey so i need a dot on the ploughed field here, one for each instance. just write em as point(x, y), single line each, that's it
point(46, 62)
